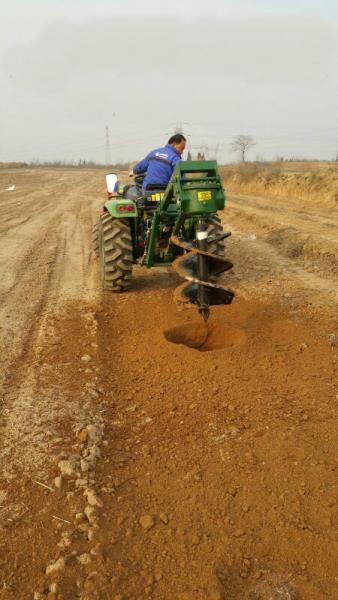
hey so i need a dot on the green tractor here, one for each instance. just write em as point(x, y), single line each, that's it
point(177, 226)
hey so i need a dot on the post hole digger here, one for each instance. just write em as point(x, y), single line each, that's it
point(176, 226)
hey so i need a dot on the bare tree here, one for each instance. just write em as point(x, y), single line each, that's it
point(241, 144)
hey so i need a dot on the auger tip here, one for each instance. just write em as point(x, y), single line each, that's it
point(205, 312)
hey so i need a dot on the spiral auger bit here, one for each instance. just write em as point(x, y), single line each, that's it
point(200, 268)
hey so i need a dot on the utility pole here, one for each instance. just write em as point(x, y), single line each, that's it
point(108, 152)
point(179, 125)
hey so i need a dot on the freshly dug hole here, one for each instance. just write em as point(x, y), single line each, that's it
point(205, 336)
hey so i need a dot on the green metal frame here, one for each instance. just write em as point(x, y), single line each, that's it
point(194, 191)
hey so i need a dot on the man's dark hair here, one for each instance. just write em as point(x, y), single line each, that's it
point(177, 139)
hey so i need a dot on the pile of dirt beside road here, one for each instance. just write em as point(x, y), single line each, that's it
point(304, 183)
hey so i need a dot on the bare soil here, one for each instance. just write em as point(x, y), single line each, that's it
point(143, 454)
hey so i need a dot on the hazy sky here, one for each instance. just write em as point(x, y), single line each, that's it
point(267, 68)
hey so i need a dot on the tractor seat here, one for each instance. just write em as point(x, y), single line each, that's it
point(153, 194)
point(160, 187)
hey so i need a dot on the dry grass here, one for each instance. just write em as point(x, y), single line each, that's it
point(303, 181)
point(12, 165)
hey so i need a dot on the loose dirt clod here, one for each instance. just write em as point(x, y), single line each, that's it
point(68, 468)
point(147, 522)
point(58, 482)
point(86, 358)
point(164, 518)
point(58, 565)
point(84, 559)
point(92, 498)
point(82, 435)
point(93, 433)
point(90, 513)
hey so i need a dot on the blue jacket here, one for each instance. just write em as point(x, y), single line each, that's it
point(159, 165)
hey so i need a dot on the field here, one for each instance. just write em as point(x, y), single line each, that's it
point(135, 466)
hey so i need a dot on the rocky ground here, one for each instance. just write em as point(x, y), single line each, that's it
point(142, 457)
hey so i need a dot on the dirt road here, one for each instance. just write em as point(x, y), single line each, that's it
point(134, 466)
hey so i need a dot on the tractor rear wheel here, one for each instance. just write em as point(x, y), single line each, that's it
point(215, 227)
point(116, 253)
point(95, 239)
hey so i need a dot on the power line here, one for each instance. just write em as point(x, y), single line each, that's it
point(107, 144)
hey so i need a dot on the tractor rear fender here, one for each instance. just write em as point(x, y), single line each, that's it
point(121, 209)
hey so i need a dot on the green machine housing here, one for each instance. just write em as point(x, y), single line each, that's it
point(194, 192)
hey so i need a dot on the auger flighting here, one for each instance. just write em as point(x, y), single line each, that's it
point(197, 266)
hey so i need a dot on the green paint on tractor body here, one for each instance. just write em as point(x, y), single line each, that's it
point(194, 191)
point(121, 209)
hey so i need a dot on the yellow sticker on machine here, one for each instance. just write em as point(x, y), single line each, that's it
point(157, 197)
point(207, 195)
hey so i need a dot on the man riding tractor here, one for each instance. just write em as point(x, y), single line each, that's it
point(160, 163)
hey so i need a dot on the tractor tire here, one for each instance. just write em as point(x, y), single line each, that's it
point(116, 253)
point(215, 227)
point(95, 239)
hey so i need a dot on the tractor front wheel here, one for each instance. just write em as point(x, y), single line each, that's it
point(116, 253)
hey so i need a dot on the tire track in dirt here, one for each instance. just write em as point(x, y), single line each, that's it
point(28, 259)
point(53, 268)
point(273, 207)
point(308, 238)
point(22, 302)
point(36, 516)
point(38, 416)
point(264, 271)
